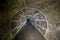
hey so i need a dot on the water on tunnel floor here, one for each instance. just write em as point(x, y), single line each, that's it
point(28, 32)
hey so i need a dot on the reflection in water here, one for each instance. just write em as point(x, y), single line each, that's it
point(28, 32)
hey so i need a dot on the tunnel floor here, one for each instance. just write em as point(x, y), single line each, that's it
point(28, 32)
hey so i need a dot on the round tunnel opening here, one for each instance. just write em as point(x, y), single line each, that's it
point(28, 20)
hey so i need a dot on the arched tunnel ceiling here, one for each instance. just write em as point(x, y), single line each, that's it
point(38, 20)
point(51, 8)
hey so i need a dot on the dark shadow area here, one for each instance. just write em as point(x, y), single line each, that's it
point(28, 32)
point(3, 5)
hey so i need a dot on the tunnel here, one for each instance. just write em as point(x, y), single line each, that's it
point(12, 10)
point(28, 32)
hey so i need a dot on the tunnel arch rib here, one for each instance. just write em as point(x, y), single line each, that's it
point(39, 20)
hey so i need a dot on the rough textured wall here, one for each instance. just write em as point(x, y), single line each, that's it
point(51, 8)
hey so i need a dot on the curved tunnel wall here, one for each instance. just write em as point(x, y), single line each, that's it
point(50, 8)
point(19, 19)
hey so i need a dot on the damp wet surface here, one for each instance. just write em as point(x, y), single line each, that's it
point(29, 32)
